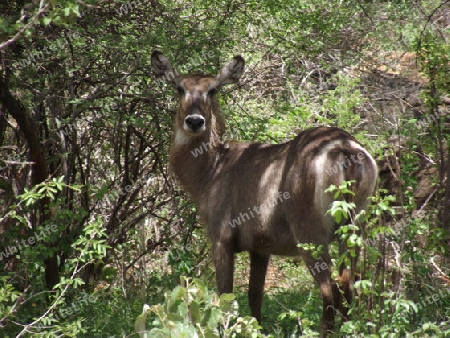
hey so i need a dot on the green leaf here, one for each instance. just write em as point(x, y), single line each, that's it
point(227, 302)
point(46, 20)
point(331, 188)
point(140, 323)
point(194, 311)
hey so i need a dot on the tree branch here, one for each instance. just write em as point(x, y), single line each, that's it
point(24, 28)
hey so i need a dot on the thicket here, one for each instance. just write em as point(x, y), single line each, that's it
point(93, 227)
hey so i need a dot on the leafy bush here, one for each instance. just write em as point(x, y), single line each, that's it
point(191, 310)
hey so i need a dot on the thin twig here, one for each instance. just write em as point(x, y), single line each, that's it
point(55, 303)
point(24, 28)
point(441, 273)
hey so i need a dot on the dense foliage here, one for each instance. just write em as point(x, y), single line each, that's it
point(93, 227)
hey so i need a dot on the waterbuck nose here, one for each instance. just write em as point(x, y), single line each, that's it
point(194, 122)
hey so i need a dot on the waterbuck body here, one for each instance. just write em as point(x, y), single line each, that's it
point(263, 198)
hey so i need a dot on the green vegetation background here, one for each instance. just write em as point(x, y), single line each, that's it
point(92, 227)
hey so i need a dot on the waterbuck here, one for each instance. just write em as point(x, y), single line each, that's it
point(263, 198)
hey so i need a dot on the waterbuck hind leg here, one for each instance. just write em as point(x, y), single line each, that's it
point(258, 269)
point(321, 271)
point(347, 280)
point(223, 256)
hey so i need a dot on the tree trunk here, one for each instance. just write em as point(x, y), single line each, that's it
point(39, 171)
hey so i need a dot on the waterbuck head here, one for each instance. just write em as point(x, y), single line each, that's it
point(198, 102)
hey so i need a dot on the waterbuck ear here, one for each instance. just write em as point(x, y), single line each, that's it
point(231, 72)
point(161, 67)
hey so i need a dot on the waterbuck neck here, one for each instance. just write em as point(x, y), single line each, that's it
point(193, 159)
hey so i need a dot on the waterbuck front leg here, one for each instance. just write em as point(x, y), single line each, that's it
point(321, 271)
point(223, 256)
point(258, 269)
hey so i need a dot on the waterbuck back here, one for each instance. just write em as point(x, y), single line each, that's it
point(263, 198)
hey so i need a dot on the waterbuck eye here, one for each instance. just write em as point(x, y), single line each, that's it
point(212, 91)
point(180, 90)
